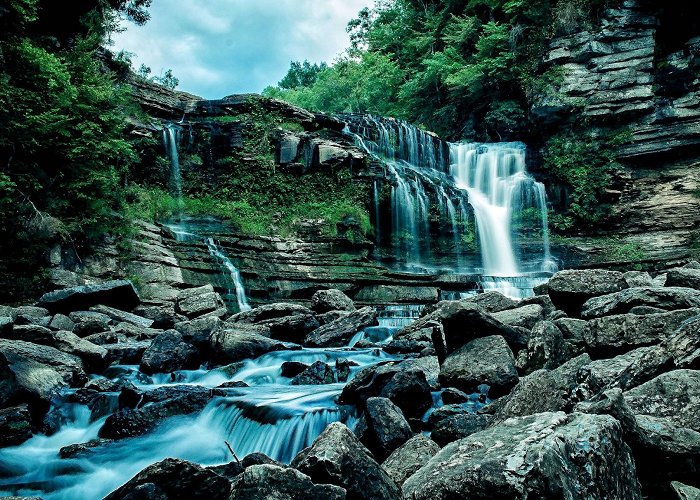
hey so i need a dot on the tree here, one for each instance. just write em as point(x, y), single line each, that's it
point(301, 74)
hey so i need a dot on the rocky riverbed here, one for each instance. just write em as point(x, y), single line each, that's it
point(589, 389)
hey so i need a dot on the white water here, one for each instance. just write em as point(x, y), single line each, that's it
point(171, 134)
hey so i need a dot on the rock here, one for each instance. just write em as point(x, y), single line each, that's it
point(492, 301)
point(337, 457)
point(120, 294)
point(198, 331)
point(545, 349)
point(338, 333)
point(450, 395)
point(30, 315)
point(685, 492)
point(684, 345)
point(163, 315)
point(525, 316)
point(62, 322)
point(459, 426)
point(126, 353)
point(15, 425)
point(638, 278)
point(668, 298)
point(291, 369)
point(195, 302)
point(263, 482)
point(6, 325)
point(395, 294)
point(569, 289)
point(122, 316)
point(177, 479)
point(548, 455)
point(342, 369)
point(317, 374)
point(24, 380)
point(325, 318)
point(69, 367)
point(136, 422)
point(292, 328)
point(572, 331)
point(88, 322)
point(257, 458)
point(169, 353)
point(683, 277)
point(409, 457)
point(267, 312)
point(325, 301)
point(485, 360)
point(612, 402)
point(599, 374)
point(385, 427)
point(673, 395)
point(235, 345)
point(82, 449)
point(406, 386)
point(544, 302)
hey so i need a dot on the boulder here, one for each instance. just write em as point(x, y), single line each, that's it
point(683, 277)
point(163, 315)
point(616, 334)
point(673, 395)
point(265, 481)
point(668, 298)
point(325, 301)
point(325, 318)
point(384, 429)
point(685, 492)
point(62, 322)
point(15, 425)
point(176, 478)
point(126, 353)
point(492, 301)
point(119, 316)
point(195, 302)
point(572, 331)
point(409, 457)
point(198, 331)
point(69, 367)
point(23, 380)
point(88, 322)
point(6, 325)
point(169, 353)
point(317, 374)
point(396, 294)
point(450, 395)
point(638, 278)
point(684, 345)
point(485, 360)
point(525, 316)
point(30, 315)
point(602, 373)
point(291, 369)
point(339, 332)
point(337, 457)
point(240, 343)
point(292, 328)
point(81, 450)
point(459, 426)
point(120, 294)
point(268, 312)
point(258, 458)
point(545, 349)
point(544, 302)
point(569, 289)
point(548, 455)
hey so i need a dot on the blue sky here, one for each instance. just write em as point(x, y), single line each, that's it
point(222, 47)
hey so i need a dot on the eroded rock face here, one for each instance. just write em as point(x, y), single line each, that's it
point(120, 294)
point(548, 455)
point(668, 298)
point(337, 457)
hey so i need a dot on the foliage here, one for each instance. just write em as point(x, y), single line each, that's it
point(301, 75)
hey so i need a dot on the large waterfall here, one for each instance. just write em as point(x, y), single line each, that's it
point(171, 136)
point(434, 181)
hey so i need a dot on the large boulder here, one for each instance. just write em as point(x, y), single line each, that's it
point(266, 482)
point(120, 294)
point(168, 353)
point(683, 277)
point(175, 478)
point(525, 316)
point(667, 298)
point(485, 360)
point(120, 316)
point(545, 349)
point(240, 343)
point(24, 380)
point(409, 457)
point(569, 289)
point(339, 332)
point(195, 302)
point(88, 322)
point(15, 425)
point(611, 335)
point(268, 312)
point(317, 374)
point(673, 395)
point(337, 457)
point(292, 328)
point(492, 301)
point(548, 455)
point(459, 426)
point(324, 301)
point(69, 367)
point(384, 427)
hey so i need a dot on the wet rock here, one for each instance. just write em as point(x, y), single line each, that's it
point(339, 332)
point(611, 335)
point(569, 289)
point(525, 316)
point(492, 301)
point(168, 353)
point(195, 302)
point(317, 374)
point(267, 312)
point(198, 331)
point(62, 322)
point(15, 425)
point(683, 277)
point(120, 294)
point(459, 426)
point(230, 470)
point(638, 278)
point(384, 429)
point(235, 345)
point(668, 298)
point(325, 301)
point(673, 395)
point(6, 324)
point(177, 479)
point(119, 316)
point(136, 422)
point(685, 492)
point(69, 367)
point(545, 349)
point(23, 380)
point(572, 331)
point(293, 368)
point(89, 322)
point(325, 318)
point(82, 449)
point(163, 316)
point(404, 385)
point(342, 369)
point(257, 458)
point(292, 328)
point(337, 457)
point(599, 374)
point(547, 455)
point(126, 353)
point(394, 294)
point(450, 395)
point(263, 482)
point(409, 457)
point(485, 360)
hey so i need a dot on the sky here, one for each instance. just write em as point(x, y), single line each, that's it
point(222, 47)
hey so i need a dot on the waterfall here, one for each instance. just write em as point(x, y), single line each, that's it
point(171, 136)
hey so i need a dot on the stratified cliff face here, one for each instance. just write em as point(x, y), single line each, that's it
point(638, 71)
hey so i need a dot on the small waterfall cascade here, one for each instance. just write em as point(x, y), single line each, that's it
point(171, 138)
point(230, 273)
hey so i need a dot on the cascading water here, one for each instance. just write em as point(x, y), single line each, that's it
point(171, 135)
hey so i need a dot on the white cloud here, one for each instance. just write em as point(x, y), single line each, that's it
point(221, 47)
